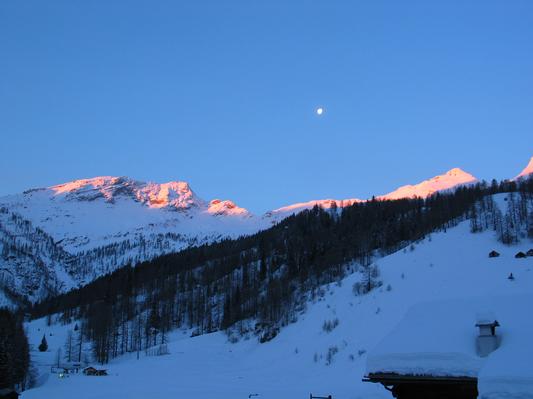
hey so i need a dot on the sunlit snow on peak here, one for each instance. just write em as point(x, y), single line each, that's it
point(528, 170)
point(453, 178)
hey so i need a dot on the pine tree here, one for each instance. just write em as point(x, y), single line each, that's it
point(43, 347)
point(69, 347)
point(153, 324)
point(79, 344)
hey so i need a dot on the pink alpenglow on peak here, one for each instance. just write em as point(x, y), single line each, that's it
point(218, 207)
point(451, 179)
point(94, 183)
point(106, 187)
point(172, 195)
point(528, 170)
point(175, 194)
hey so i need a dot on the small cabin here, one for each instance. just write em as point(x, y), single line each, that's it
point(89, 371)
point(530, 252)
point(72, 367)
point(493, 254)
point(94, 372)
point(520, 255)
point(8, 393)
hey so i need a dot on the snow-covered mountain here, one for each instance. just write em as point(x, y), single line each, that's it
point(449, 180)
point(89, 213)
point(325, 351)
point(55, 238)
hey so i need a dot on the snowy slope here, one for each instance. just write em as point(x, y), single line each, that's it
point(446, 266)
point(30, 262)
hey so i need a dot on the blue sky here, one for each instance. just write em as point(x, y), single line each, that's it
point(222, 94)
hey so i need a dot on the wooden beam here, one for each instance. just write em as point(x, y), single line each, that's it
point(392, 378)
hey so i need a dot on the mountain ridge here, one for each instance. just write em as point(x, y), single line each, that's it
point(90, 227)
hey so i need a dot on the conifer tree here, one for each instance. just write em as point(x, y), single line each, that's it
point(43, 347)
point(69, 347)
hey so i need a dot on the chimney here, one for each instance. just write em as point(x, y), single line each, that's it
point(487, 341)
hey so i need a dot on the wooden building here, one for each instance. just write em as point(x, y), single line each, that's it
point(426, 386)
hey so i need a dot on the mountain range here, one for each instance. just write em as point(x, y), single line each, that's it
point(56, 238)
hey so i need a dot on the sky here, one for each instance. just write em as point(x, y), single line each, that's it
point(222, 94)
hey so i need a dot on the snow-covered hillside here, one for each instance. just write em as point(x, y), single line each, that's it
point(56, 238)
point(325, 351)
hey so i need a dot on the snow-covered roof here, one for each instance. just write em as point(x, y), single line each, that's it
point(439, 339)
point(484, 318)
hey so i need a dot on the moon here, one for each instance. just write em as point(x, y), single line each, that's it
point(319, 111)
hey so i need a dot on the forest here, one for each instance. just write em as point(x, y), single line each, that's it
point(14, 351)
point(257, 284)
